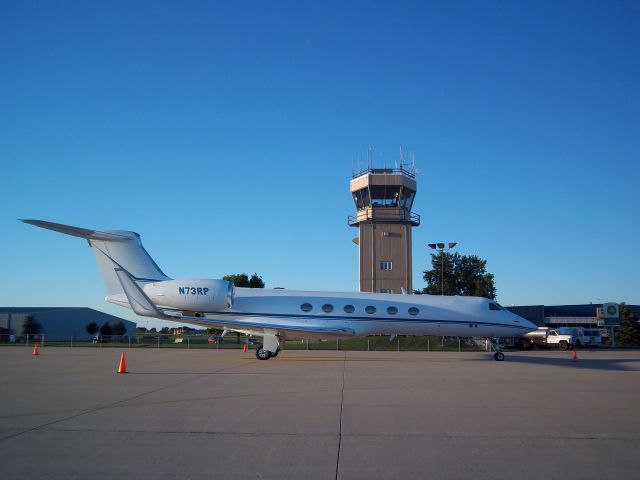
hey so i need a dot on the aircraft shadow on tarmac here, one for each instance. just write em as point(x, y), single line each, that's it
point(612, 364)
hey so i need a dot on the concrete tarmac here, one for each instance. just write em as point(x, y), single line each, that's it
point(318, 415)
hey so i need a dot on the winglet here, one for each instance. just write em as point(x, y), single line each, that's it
point(140, 303)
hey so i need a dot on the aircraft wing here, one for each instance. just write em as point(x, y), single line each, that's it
point(257, 326)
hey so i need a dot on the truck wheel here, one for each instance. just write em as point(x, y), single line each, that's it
point(563, 345)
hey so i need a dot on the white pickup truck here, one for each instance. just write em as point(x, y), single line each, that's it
point(546, 338)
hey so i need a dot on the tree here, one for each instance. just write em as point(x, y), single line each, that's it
point(243, 280)
point(119, 328)
point(106, 330)
point(462, 275)
point(164, 330)
point(238, 279)
point(31, 326)
point(91, 328)
point(256, 281)
point(628, 333)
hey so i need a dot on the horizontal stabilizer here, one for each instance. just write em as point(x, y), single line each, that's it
point(140, 303)
point(79, 232)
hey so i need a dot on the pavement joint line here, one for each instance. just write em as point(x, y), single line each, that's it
point(347, 435)
point(113, 404)
point(344, 368)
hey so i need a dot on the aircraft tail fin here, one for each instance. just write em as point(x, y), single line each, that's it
point(113, 249)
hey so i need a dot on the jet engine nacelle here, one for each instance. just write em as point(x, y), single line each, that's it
point(191, 295)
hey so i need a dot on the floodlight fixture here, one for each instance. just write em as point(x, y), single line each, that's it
point(452, 244)
point(433, 245)
point(441, 245)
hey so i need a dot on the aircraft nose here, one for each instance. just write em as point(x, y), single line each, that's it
point(518, 320)
point(530, 325)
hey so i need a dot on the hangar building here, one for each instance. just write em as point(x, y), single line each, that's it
point(585, 315)
point(58, 323)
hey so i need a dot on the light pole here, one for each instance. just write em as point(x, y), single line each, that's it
point(441, 247)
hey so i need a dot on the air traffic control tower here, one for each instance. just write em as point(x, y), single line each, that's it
point(383, 198)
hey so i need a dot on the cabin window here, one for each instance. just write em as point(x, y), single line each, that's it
point(349, 308)
point(327, 308)
point(493, 306)
point(306, 307)
point(413, 311)
point(370, 309)
point(392, 310)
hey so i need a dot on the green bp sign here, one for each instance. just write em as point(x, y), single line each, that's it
point(611, 314)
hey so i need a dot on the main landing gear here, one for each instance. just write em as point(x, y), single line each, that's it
point(263, 354)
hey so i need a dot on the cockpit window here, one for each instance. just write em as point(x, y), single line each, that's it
point(494, 306)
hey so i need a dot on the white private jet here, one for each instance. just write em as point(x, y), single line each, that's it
point(135, 281)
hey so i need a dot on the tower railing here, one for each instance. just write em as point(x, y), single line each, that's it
point(384, 214)
point(385, 171)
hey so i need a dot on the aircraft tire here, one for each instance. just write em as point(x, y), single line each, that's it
point(274, 355)
point(498, 356)
point(262, 354)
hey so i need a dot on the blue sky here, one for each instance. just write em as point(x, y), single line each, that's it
point(224, 133)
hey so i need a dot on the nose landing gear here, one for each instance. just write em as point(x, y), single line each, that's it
point(495, 344)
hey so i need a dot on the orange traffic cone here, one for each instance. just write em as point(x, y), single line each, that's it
point(574, 357)
point(122, 368)
point(244, 348)
point(36, 351)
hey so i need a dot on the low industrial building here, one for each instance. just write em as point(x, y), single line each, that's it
point(585, 315)
point(58, 323)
